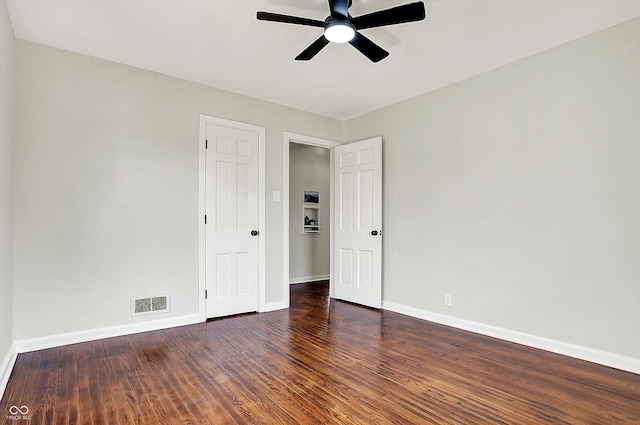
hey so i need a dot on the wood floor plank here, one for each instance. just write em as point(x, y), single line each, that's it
point(38, 378)
point(320, 362)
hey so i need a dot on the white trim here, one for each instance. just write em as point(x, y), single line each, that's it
point(202, 197)
point(311, 141)
point(202, 208)
point(6, 368)
point(33, 344)
point(262, 218)
point(305, 279)
point(605, 358)
point(280, 305)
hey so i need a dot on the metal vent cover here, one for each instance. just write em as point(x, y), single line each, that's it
point(143, 305)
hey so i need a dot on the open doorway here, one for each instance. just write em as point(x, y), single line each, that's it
point(308, 230)
point(309, 188)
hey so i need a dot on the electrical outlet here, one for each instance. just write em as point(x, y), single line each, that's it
point(448, 300)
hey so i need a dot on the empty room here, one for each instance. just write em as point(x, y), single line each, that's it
point(319, 211)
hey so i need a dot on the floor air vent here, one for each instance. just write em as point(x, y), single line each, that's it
point(149, 305)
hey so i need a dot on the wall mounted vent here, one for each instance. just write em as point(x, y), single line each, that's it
point(149, 305)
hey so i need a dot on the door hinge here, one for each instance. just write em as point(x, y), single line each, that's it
point(205, 294)
point(206, 144)
point(205, 219)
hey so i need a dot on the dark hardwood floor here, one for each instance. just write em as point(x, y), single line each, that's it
point(320, 362)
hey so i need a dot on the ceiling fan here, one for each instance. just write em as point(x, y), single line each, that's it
point(341, 27)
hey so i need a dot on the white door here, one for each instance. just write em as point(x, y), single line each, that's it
point(358, 228)
point(233, 217)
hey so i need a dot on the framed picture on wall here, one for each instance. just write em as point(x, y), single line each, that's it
point(311, 196)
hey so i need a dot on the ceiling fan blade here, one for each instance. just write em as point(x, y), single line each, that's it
point(276, 17)
point(368, 48)
point(313, 49)
point(396, 15)
point(339, 9)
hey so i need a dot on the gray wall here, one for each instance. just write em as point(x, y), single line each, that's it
point(6, 196)
point(518, 192)
point(106, 188)
point(309, 169)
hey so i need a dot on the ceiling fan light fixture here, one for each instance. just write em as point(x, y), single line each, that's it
point(339, 31)
point(341, 27)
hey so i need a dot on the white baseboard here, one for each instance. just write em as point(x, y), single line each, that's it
point(33, 344)
point(305, 279)
point(6, 367)
point(281, 305)
point(617, 361)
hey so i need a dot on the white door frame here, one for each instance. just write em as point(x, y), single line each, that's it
point(321, 143)
point(202, 196)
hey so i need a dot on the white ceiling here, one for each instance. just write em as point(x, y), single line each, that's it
point(220, 43)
